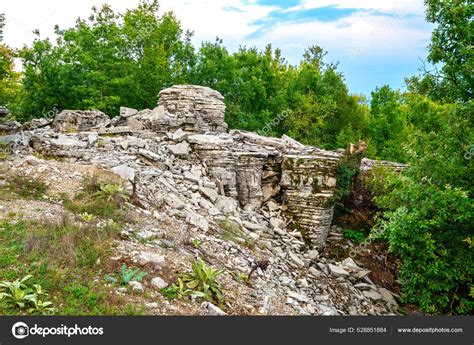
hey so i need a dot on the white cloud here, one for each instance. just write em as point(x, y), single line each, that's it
point(211, 18)
point(394, 6)
point(378, 36)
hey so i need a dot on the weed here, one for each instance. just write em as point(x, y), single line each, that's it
point(354, 235)
point(202, 280)
point(129, 275)
point(18, 294)
point(176, 291)
point(196, 243)
point(64, 258)
point(26, 187)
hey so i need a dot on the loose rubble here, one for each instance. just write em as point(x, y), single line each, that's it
point(191, 174)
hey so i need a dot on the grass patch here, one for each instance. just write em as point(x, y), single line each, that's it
point(356, 236)
point(22, 186)
point(99, 197)
point(233, 232)
point(66, 259)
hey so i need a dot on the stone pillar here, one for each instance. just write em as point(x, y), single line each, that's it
point(249, 168)
point(218, 157)
point(308, 182)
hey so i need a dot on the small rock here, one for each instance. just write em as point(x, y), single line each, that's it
point(145, 258)
point(209, 193)
point(297, 296)
point(125, 172)
point(313, 254)
point(32, 160)
point(180, 149)
point(136, 286)
point(211, 309)
point(373, 295)
point(277, 223)
point(159, 283)
point(152, 305)
point(127, 112)
point(198, 221)
point(296, 259)
point(337, 271)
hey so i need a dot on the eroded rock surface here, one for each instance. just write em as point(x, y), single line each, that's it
point(231, 190)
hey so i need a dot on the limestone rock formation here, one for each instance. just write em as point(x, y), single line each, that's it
point(186, 138)
point(79, 120)
point(243, 196)
point(193, 108)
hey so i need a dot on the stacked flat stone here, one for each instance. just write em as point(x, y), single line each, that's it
point(309, 183)
point(193, 108)
point(79, 120)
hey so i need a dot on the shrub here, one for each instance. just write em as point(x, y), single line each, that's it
point(128, 275)
point(354, 235)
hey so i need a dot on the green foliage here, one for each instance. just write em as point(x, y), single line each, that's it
point(388, 129)
point(102, 62)
point(128, 275)
point(200, 282)
point(430, 213)
point(176, 291)
point(111, 192)
point(26, 187)
point(99, 197)
point(354, 235)
point(60, 256)
point(451, 46)
point(19, 294)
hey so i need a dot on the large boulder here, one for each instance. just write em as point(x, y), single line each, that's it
point(192, 108)
point(79, 120)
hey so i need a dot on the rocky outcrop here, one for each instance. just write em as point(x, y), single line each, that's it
point(231, 190)
point(308, 182)
point(192, 108)
point(185, 138)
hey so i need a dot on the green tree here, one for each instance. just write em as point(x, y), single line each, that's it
point(106, 61)
point(452, 49)
point(9, 79)
point(429, 215)
point(387, 124)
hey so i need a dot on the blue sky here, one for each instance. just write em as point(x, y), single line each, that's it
point(376, 42)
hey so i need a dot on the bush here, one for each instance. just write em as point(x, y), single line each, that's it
point(203, 281)
point(429, 217)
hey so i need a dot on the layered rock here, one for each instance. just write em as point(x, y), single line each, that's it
point(185, 137)
point(79, 120)
point(242, 195)
point(309, 182)
point(193, 108)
